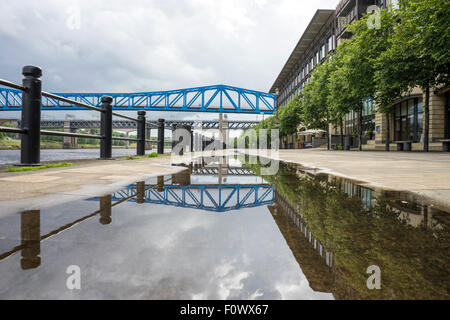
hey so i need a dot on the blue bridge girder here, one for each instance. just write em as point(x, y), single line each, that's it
point(214, 198)
point(125, 124)
point(232, 171)
point(217, 98)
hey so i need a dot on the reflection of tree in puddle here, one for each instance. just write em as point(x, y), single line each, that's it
point(359, 228)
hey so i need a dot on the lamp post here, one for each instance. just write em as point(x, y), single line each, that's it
point(277, 92)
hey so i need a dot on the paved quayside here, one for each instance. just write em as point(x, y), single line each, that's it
point(27, 190)
point(425, 174)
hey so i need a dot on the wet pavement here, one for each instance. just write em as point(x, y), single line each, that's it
point(224, 232)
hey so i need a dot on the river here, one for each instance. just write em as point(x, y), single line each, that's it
point(13, 156)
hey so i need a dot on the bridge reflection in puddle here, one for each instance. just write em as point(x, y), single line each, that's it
point(222, 232)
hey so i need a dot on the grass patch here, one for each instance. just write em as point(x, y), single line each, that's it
point(151, 155)
point(46, 166)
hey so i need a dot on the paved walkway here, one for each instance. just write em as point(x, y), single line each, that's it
point(426, 174)
point(37, 189)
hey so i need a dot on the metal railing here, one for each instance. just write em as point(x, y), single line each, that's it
point(31, 132)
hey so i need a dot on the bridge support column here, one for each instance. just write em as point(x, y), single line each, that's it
point(191, 131)
point(161, 127)
point(141, 133)
point(30, 153)
point(223, 132)
point(195, 140)
point(174, 143)
point(31, 239)
point(127, 143)
point(148, 136)
point(69, 142)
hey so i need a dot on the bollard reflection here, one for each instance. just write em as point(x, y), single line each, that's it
point(31, 239)
point(160, 183)
point(105, 210)
point(140, 192)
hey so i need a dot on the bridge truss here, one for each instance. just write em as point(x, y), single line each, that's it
point(124, 124)
point(214, 198)
point(217, 98)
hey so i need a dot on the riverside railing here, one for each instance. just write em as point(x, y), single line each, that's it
point(31, 132)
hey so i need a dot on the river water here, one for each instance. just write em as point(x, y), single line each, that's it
point(13, 156)
point(234, 235)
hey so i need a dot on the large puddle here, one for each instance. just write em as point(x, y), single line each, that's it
point(224, 232)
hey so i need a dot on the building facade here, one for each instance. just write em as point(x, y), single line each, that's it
point(324, 33)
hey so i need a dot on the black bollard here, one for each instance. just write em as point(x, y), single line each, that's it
point(30, 153)
point(141, 133)
point(106, 128)
point(161, 128)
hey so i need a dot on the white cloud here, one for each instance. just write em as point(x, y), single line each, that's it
point(152, 44)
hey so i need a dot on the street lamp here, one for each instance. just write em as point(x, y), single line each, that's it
point(277, 92)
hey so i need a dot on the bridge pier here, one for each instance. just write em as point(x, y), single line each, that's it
point(223, 132)
point(191, 131)
point(69, 142)
point(148, 136)
point(161, 127)
point(127, 143)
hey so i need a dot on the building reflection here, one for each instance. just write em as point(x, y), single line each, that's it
point(337, 228)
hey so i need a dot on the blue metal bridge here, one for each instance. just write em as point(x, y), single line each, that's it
point(213, 198)
point(217, 98)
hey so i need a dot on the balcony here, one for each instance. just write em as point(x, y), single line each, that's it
point(344, 7)
point(342, 22)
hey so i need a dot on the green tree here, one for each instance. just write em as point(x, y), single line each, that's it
point(358, 58)
point(337, 101)
point(316, 110)
point(418, 54)
point(289, 117)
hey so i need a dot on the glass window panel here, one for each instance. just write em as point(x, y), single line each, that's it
point(420, 106)
point(404, 108)
point(411, 107)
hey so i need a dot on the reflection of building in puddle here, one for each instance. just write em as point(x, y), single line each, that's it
point(310, 254)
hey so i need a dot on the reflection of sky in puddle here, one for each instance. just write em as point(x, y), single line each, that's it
point(152, 251)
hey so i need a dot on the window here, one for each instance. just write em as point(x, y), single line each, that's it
point(408, 120)
point(317, 57)
point(368, 119)
point(323, 52)
point(312, 63)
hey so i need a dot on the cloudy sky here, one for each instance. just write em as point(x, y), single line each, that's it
point(147, 45)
